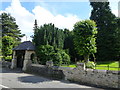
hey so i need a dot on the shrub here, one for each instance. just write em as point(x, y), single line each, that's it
point(66, 58)
point(90, 64)
point(49, 53)
point(44, 53)
point(64, 55)
point(57, 59)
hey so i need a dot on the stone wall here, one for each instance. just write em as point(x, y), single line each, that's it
point(88, 76)
point(5, 64)
point(94, 77)
point(51, 72)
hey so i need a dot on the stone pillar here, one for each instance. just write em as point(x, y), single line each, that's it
point(14, 61)
point(27, 61)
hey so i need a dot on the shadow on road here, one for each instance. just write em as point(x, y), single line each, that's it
point(24, 77)
point(33, 79)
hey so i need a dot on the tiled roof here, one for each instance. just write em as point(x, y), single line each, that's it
point(27, 45)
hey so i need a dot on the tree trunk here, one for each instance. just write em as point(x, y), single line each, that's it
point(86, 58)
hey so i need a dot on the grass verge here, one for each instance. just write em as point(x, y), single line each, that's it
point(103, 65)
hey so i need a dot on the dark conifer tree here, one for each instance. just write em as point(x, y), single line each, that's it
point(10, 28)
point(106, 37)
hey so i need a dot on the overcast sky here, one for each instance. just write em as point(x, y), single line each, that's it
point(63, 13)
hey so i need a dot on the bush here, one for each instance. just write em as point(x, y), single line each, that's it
point(64, 55)
point(49, 53)
point(44, 53)
point(57, 59)
point(66, 58)
point(90, 64)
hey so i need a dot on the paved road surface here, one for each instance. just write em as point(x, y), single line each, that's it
point(18, 79)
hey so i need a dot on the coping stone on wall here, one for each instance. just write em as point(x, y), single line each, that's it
point(95, 71)
point(89, 69)
point(113, 72)
point(102, 71)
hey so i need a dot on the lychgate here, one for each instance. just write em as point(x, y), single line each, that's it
point(23, 54)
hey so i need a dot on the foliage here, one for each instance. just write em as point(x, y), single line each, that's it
point(69, 45)
point(90, 64)
point(48, 34)
point(65, 57)
point(108, 46)
point(84, 38)
point(0, 44)
point(7, 45)
point(49, 53)
point(81, 61)
point(8, 58)
point(44, 53)
point(9, 27)
point(57, 59)
point(117, 38)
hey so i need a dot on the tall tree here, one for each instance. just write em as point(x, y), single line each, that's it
point(35, 29)
point(59, 38)
point(69, 45)
point(9, 27)
point(84, 38)
point(48, 34)
point(106, 37)
point(0, 44)
point(117, 46)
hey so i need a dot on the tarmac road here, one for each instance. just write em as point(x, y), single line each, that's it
point(18, 79)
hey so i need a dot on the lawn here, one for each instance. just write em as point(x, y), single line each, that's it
point(72, 65)
point(106, 65)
